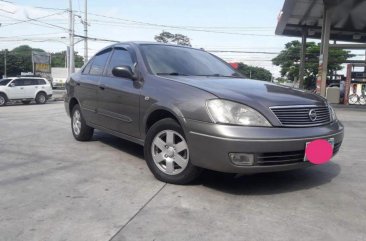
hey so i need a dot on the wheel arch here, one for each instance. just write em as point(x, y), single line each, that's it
point(41, 91)
point(6, 96)
point(73, 101)
point(159, 114)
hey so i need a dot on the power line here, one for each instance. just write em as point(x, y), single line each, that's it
point(188, 28)
point(30, 19)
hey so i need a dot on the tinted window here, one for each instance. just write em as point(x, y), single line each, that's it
point(87, 67)
point(120, 57)
point(164, 59)
point(99, 62)
point(18, 82)
point(30, 82)
point(41, 81)
point(4, 81)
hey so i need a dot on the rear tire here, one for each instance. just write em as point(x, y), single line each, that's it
point(80, 130)
point(3, 99)
point(167, 153)
point(41, 98)
point(26, 102)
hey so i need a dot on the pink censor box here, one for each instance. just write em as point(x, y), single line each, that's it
point(319, 151)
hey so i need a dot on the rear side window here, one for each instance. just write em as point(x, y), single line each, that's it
point(99, 62)
point(30, 82)
point(41, 81)
point(120, 57)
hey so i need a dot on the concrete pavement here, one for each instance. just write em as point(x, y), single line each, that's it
point(55, 188)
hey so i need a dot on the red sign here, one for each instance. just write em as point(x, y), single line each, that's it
point(234, 65)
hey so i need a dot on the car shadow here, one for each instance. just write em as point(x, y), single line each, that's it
point(120, 144)
point(253, 184)
point(271, 183)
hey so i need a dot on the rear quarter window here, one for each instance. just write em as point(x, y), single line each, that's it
point(41, 82)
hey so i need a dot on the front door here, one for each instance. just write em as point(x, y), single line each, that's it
point(15, 89)
point(119, 98)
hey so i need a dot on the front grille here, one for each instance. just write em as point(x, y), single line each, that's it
point(299, 116)
point(281, 158)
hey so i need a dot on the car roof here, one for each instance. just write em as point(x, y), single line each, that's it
point(26, 77)
point(123, 44)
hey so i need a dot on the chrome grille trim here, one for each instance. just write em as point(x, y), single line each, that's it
point(298, 115)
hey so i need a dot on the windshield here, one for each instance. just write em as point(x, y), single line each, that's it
point(4, 81)
point(175, 60)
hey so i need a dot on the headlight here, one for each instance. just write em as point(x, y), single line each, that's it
point(228, 112)
point(333, 115)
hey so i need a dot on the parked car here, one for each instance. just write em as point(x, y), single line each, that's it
point(191, 110)
point(25, 89)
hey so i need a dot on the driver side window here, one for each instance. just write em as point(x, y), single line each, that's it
point(120, 57)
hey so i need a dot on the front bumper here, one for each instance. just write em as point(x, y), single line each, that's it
point(210, 145)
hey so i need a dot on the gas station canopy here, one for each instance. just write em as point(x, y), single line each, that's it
point(347, 21)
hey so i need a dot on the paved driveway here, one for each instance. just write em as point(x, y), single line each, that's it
point(55, 188)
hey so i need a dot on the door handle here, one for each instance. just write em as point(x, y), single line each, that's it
point(102, 87)
point(21, 88)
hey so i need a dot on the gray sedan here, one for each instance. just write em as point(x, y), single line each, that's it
point(192, 111)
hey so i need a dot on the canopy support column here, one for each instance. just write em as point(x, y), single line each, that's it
point(302, 59)
point(324, 53)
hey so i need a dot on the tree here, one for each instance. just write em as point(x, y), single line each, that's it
point(254, 72)
point(289, 61)
point(59, 59)
point(167, 37)
point(19, 60)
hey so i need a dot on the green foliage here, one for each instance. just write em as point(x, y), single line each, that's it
point(254, 72)
point(167, 37)
point(19, 60)
point(289, 60)
point(59, 59)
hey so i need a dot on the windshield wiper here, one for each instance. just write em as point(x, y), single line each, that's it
point(172, 73)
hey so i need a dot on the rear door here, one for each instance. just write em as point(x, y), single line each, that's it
point(15, 89)
point(119, 97)
point(87, 86)
point(30, 88)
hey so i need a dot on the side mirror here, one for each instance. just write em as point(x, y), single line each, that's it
point(124, 72)
point(11, 85)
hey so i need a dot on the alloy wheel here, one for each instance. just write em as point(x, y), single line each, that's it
point(2, 100)
point(76, 122)
point(170, 152)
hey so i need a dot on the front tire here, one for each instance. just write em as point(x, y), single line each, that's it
point(167, 153)
point(3, 100)
point(41, 98)
point(80, 130)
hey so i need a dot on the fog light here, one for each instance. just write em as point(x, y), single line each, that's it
point(242, 159)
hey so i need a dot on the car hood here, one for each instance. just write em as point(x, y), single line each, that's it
point(251, 92)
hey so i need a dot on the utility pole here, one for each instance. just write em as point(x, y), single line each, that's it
point(86, 32)
point(5, 62)
point(71, 67)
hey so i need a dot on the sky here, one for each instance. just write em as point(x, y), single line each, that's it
point(236, 25)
